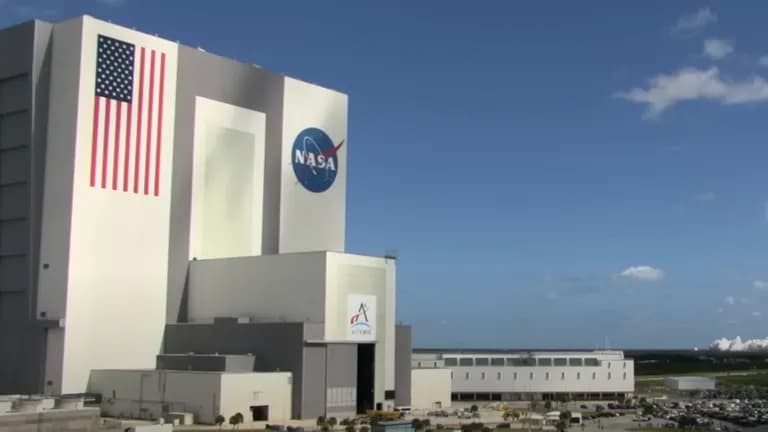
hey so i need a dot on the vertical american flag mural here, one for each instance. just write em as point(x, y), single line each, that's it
point(126, 140)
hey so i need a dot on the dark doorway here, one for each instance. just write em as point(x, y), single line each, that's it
point(365, 375)
point(260, 412)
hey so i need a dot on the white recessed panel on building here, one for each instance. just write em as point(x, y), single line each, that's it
point(228, 181)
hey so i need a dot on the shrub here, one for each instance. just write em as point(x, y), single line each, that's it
point(503, 426)
point(365, 429)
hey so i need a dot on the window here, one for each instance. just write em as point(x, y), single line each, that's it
point(514, 376)
point(497, 361)
point(591, 362)
point(562, 375)
point(545, 362)
point(482, 376)
point(389, 394)
point(594, 376)
point(561, 362)
point(531, 377)
point(609, 365)
point(528, 361)
point(466, 362)
point(514, 362)
point(575, 362)
point(466, 377)
point(625, 365)
point(451, 361)
point(578, 375)
point(546, 376)
point(419, 364)
point(451, 375)
point(625, 376)
point(481, 361)
point(609, 375)
point(434, 364)
point(498, 376)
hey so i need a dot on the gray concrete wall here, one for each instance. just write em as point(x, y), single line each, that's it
point(231, 82)
point(314, 382)
point(403, 365)
point(24, 81)
point(211, 363)
point(275, 346)
point(341, 373)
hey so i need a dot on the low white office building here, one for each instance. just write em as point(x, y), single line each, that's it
point(497, 375)
point(150, 394)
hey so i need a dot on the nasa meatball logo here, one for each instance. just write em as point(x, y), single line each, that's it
point(315, 159)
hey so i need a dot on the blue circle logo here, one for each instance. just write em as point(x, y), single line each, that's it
point(315, 160)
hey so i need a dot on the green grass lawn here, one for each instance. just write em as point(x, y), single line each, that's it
point(665, 429)
point(757, 380)
point(654, 385)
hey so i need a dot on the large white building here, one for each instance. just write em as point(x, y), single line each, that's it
point(159, 199)
point(507, 375)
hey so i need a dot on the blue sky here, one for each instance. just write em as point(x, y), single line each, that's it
point(551, 174)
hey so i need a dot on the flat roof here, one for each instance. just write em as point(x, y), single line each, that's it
point(191, 371)
point(503, 352)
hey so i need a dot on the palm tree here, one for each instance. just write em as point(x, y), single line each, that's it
point(219, 420)
point(332, 422)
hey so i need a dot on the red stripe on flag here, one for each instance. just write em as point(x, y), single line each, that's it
point(116, 157)
point(138, 124)
point(94, 140)
point(159, 124)
point(126, 163)
point(149, 121)
point(105, 144)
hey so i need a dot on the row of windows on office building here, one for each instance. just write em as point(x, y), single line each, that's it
point(523, 362)
point(531, 375)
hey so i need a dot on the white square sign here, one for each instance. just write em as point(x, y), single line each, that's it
point(361, 317)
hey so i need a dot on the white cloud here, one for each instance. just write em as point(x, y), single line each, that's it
point(720, 310)
point(696, 20)
point(112, 2)
point(725, 344)
point(763, 61)
point(553, 296)
point(690, 84)
point(706, 196)
point(760, 284)
point(643, 273)
point(756, 314)
point(730, 300)
point(717, 49)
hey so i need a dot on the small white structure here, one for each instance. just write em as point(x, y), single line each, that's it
point(430, 388)
point(689, 383)
point(150, 394)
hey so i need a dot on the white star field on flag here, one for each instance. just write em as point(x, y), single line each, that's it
point(114, 69)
